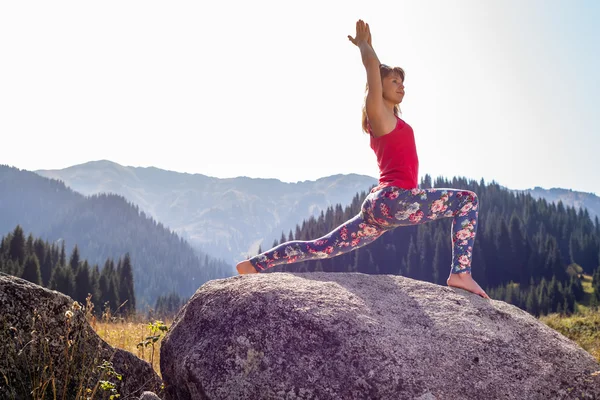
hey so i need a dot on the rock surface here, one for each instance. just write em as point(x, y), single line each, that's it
point(357, 336)
point(149, 396)
point(47, 346)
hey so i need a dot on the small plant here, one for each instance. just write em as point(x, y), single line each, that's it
point(107, 370)
point(89, 312)
point(156, 329)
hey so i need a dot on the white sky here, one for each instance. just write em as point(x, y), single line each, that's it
point(501, 90)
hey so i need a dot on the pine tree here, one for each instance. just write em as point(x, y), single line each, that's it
point(426, 256)
point(63, 280)
point(31, 271)
point(95, 286)
point(505, 259)
point(486, 239)
point(402, 269)
point(385, 256)
point(126, 292)
point(501, 292)
point(534, 265)
point(519, 249)
point(63, 255)
point(438, 265)
point(554, 295)
point(39, 248)
point(11, 268)
point(318, 266)
point(364, 261)
point(553, 264)
point(573, 248)
point(560, 309)
point(412, 261)
point(532, 304)
point(83, 286)
point(168, 306)
point(543, 300)
point(74, 260)
point(576, 287)
point(4, 244)
point(29, 245)
point(16, 251)
point(46, 267)
point(511, 296)
point(113, 293)
point(569, 302)
point(479, 265)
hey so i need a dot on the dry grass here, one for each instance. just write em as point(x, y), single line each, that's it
point(127, 335)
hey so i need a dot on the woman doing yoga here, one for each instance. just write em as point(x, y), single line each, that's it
point(397, 200)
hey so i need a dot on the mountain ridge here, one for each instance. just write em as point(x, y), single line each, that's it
point(216, 214)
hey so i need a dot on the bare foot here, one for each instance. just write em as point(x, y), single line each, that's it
point(246, 267)
point(465, 281)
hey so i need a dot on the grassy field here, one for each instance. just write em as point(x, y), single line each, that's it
point(583, 328)
point(140, 338)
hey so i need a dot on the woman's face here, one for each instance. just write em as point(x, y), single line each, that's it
point(393, 88)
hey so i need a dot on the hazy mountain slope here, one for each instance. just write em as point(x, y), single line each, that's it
point(105, 226)
point(569, 197)
point(225, 217)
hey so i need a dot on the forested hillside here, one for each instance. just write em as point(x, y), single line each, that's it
point(521, 240)
point(48, 265)
point(105, 226)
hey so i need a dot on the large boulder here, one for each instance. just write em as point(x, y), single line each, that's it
point(357, 336)
point(48, 347)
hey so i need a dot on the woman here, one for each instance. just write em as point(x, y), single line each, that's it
point(397, 200)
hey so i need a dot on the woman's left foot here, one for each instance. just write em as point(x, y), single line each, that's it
point(245, 267)
point(465, 281)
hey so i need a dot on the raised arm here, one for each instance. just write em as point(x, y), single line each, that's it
point(380, 118)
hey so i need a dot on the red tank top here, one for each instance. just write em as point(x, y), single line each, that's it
point(397, 157)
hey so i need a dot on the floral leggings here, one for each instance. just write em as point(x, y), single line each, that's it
point(383, 210)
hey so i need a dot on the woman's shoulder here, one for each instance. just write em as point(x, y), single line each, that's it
point(399, 125)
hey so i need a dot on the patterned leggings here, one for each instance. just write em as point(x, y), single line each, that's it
point(384, 210)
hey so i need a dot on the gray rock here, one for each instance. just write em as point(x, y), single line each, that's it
point(426, 396)
point(357, 336)
point(149, 396)
point(46, 344)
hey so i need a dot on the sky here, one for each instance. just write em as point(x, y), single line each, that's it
point(500, 90)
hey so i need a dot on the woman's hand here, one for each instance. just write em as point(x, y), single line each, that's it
point(362, 33)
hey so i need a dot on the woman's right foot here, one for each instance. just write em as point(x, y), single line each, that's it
point(466, 282)
point(245, 267)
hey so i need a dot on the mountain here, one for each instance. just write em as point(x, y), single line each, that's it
point(106, 226)
point(227, 218)
point(568, 197)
